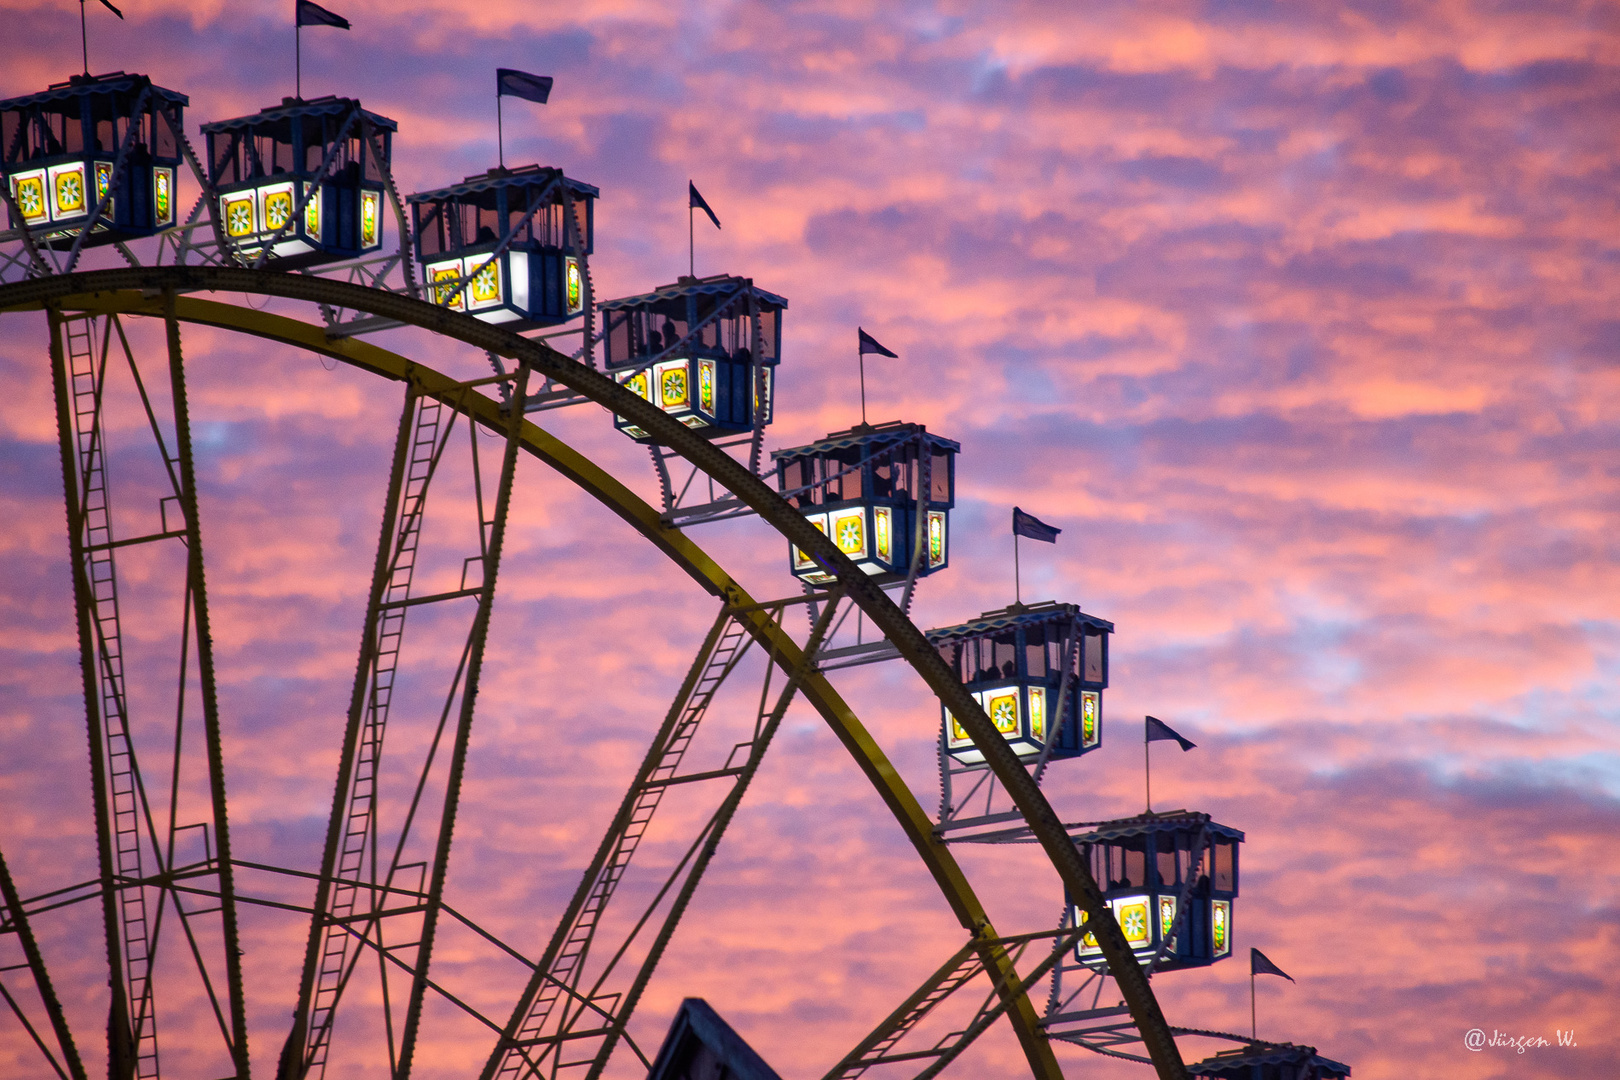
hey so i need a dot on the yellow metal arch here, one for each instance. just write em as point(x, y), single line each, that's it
point(1044, 823)
point(681, 550)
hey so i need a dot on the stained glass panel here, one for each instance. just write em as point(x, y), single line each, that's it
point(67, 186)
point(1003, 710)
point(163, 196)
point(1133, 922)
point(370, 219)
point(936, 538)
point(29, 191)
point(849, 532)
point(239, 216)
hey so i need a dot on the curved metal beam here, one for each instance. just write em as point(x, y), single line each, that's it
point(1043, 821)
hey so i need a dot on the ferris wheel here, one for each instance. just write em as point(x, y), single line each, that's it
point(296, 204)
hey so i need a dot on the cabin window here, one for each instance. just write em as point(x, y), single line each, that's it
point(163, 144)
point(1035, 651)
point(1135, 869)
point(1167, 859)
point(1225, 866)
point(1093, 671)
point(939, 478)
point(1004, 656)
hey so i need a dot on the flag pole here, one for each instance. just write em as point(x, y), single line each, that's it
point(860, 358)
point(1253, 1027)
point(1147, 765)
point(500, 136)
point(298, 58)
point(1018, 586)
point(691, 240)
point(84, 38)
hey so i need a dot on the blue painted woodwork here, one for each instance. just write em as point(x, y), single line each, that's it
point(1014, 662)
point(94, 135)
point(500, 245)
point(883, 493)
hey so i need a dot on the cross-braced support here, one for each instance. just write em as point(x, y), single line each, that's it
point(983, 954)
point(133, 831)
point(352, 908)
point(560, 1011)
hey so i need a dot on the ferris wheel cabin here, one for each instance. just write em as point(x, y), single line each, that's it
point(1270, 1061)
point(114, 137)
point(1171, 880)
point(1038, 670)
point(508, 246)
point(307, 179)
point(704, 350)
point(883, 494)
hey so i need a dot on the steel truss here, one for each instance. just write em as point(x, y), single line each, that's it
point(151, 860)
point(983, 954)
point(561, 1011)
point(149, 291)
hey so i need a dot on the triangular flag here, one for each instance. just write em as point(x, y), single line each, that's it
point(1260, 964)
point(869, 344)
point(312, 14)
point(1158, 730)
point(697, 202)
point(108, 5)
point(1033, 527)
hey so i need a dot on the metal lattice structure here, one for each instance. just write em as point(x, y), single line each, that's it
point(379, 896)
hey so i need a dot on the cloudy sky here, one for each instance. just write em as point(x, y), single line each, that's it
point(1298, 319)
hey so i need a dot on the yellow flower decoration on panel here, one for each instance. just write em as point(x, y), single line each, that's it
point(69, 192)
point(239, 217)
point(672, 387)
point(486, 284)
point(1037, 712)
point(30, 194)
point(1004, 713)
point(1167, 915)
point(312, 215)
point(637, 383)
point(277, 209)
point(448, 295)
point(1133, 921)
point(851, 536)
point(103, 178)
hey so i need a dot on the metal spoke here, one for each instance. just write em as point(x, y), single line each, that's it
point(16, 921)
point(197, 589)
point(458, 756)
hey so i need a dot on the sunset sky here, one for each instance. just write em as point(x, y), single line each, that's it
point(1302, 322)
